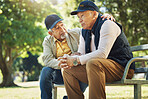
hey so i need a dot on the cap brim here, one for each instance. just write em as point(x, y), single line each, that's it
point(55, 23)
point(76, 12)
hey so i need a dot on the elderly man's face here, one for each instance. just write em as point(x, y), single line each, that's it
point(59, 31)
point(86, 19)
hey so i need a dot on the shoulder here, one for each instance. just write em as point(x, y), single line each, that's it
point(75, 31)
point(110, 27)
point(47, 39)
point(110, 24)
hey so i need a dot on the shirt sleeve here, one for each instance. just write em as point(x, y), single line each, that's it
point(108, 34)
point(81, 48)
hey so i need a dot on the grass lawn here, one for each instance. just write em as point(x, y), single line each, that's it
point(30, 90)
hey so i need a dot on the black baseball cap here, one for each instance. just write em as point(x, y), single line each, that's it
point(84, 6)
point(52, 20)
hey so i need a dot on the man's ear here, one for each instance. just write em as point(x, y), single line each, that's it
point(49, 32)
point(95, 14)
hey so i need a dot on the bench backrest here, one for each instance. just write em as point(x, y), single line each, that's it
point(139, 48)
point(140, 58)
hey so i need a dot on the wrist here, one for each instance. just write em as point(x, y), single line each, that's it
point(78, 60)
point(75, 62)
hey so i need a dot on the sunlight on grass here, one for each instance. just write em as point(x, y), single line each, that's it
point(20, 93)
point(31, 90)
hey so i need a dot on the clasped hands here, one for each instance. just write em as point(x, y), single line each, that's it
point(66, 62)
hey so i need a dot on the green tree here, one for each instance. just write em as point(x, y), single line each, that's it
point(29, 66)
point(20, 31)
point(132, 15)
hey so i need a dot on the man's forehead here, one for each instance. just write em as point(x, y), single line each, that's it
point(80, 13)
point(60, 22)
point(84, 12)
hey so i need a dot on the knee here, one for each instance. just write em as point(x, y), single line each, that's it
point(66, 72)
point(46, 72)
point(90, 64)
point(93, 64)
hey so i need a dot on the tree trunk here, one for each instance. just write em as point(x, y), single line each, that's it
point(7, 76)
point(6, 69)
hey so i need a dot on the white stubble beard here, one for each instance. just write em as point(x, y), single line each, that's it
point(63, 36)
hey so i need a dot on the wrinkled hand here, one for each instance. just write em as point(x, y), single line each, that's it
point(108, 16)
point(70, 60)
point(66, 61)
point(63, 62)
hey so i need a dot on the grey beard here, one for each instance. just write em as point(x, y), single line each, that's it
point(63, 36)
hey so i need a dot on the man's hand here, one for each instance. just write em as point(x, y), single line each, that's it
point(70, 60)
point(108, 16)
point(66, 61)
point(63, 62)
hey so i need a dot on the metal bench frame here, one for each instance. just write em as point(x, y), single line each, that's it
point(137, 83)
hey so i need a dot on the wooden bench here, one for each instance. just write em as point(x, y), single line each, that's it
point(137, 83)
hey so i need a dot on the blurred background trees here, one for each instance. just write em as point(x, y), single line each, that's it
point(133, 15)
point(29, 67)
point(22, 26)
point(20, 31)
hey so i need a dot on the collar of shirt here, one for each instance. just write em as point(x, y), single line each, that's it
point(58, 40)
point(55, 39)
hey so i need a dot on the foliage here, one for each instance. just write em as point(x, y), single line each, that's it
point(21, 30)
point(132, 15)
point(65, 9)
point(29, 66)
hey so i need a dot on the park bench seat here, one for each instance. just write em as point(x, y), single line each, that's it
point(137, 83)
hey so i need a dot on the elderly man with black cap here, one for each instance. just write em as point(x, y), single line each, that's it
point(104, 52)
point(59, 42)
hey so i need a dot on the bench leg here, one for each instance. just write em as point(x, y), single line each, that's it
point(137, 91)
point(54, 93)
point(147, 75)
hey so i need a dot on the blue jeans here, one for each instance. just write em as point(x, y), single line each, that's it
point(48, 77)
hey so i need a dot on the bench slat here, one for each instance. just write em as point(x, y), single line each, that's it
point(128, 82)
point(139, 48)
point(141, 70)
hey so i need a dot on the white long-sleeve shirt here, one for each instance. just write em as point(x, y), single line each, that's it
point(108, 34)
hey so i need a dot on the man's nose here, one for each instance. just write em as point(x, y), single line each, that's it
point(80, 20)
point(62, 28)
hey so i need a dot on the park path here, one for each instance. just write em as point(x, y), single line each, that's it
point(28, 84)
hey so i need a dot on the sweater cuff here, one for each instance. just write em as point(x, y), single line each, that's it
point(82, 59)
